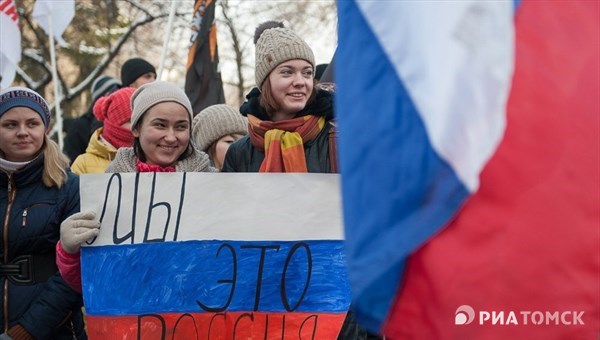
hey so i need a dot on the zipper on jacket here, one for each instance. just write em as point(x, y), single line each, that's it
point(25, 211)
point(12, 193)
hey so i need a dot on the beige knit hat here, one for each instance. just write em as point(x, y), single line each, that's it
point(276, 44)
point(153, 93)
point(215, 122)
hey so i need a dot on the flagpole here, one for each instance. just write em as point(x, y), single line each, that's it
point(163, 54)
point(57, 110)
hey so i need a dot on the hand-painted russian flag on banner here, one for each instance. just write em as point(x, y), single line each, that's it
point(215, 256)
point(470, 160)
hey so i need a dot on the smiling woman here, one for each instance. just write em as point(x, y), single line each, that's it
point(289, 119)
point(164, 137)
point(289, 129)
point(161, 121)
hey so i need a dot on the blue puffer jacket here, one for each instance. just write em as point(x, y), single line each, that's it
point(37, 298)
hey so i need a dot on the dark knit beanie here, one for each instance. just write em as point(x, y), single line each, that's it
point(133, 68)
point(17, 96)
point(102, 86)
point(215, 122)
point(276, 44)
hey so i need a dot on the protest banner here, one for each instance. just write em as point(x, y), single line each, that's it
point(206, 255)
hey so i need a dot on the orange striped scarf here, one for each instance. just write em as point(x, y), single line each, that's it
point(283, 141)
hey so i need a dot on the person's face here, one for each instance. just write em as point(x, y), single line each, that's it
point(21, 134)
point(291, 86)
point(144, 79)
point(221, 147)
point(164, 133)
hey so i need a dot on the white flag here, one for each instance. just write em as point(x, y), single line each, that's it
point(61, 11)
point(10, 46)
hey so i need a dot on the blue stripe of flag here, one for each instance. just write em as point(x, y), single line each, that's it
point(198, 276)
point(397, 191)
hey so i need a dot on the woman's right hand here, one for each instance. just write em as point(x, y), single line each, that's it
point(77, 229)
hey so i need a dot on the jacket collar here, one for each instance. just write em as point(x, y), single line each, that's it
point(31, 173)
point(321, 107)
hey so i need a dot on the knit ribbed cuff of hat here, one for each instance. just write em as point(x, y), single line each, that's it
point(156, 92)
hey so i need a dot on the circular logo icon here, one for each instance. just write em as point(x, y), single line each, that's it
point(464, 315)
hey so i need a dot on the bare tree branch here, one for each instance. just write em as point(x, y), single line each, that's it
point(114, 51)
point(238, 51)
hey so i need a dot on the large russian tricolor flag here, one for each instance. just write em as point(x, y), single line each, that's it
point(470, 161)
point(215, 256)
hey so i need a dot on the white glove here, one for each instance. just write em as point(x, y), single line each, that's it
point(77, 229)
point(5, 336)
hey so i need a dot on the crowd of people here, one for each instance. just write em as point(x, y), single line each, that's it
point(141, 124)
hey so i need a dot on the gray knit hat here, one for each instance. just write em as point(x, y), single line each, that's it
point(153, 93)
point(276, 44)
point(215, 122)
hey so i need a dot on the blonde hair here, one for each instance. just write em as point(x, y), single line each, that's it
point(55, 165)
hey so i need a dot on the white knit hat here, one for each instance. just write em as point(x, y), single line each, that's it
point(276, 44)
point(215, 122)
point(153, 93)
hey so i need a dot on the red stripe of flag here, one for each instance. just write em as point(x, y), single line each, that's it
point(529, 240)
point(244, 325)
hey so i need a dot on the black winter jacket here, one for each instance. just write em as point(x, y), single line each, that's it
point(31, 214)
point(243, 157)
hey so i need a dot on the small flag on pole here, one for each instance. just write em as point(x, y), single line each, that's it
point(203, 84)
point(62, 12)
point(54, 17)
point(10, 48)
